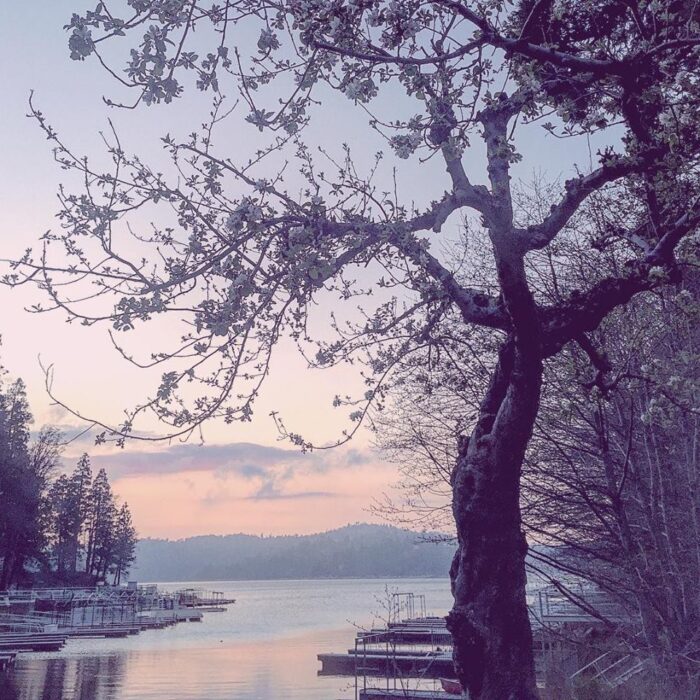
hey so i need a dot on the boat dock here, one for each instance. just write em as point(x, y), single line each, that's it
point(197, 598)
point(415, 650)
point(46, 619)
point(406, 664)
point(39, 641)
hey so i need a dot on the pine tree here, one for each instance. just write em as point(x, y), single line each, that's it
point(61, 526)
point(80, 484)
point(125, 544)
point(101, 527)
point(21, 488)
point(70, 503)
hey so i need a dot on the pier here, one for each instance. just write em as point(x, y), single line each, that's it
point(197, 598)
point(406, 664)
point(414, 650)
point(45, 619)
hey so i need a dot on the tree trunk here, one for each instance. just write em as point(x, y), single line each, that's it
point(489, 620)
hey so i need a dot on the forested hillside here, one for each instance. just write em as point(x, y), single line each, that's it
point(353, 551)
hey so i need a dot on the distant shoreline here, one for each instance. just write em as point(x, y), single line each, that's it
point(359, 551)
point(308, 578)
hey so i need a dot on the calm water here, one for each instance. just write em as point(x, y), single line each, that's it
point(263, 648)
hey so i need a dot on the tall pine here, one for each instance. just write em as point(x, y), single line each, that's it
point(125, 544)
point(102, 520)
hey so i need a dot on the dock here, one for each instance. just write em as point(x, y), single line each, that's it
point(45, 619)
point(396, 661)
point(405, 664)
point(409, 635)
point(38, 641)
point(197, 598)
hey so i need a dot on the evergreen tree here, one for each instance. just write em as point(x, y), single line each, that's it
point(80, 486)
point(124, 551)
point(23, 482)
point(101, 528)
point(69, 526)
point(70, 502)
point(61, 526)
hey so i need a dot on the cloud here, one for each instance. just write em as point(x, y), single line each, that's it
point(356, 458)
point(242, 459)
point(273, 473)
point(270, 491)
point(246, 460)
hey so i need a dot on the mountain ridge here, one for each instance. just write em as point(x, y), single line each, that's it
point(359, 550)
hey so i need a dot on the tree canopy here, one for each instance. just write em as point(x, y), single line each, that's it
point(245, 268)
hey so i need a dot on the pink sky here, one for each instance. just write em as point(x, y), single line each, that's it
point(201, 502)
point(172, 494)
point(208, 490)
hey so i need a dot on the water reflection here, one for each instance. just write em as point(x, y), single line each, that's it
point(76, 678)
point(266, 669)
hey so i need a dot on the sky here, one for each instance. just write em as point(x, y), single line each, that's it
point(241, 478)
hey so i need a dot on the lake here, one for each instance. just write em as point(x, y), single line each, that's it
point(262, 648)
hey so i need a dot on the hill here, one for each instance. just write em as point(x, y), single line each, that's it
point(354, 551)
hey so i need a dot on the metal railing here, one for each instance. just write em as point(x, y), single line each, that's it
point(579, 603)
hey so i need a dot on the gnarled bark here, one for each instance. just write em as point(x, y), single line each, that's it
point(489, 620)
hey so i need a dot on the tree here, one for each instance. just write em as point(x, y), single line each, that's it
point(25, 471)
point(90, 537)
point(615, 469)
point(70, 501)
point(611, 471)
point(246, 269)
point(81, 490)
point(19, 491)
point(124, 544)
point(101, 528)
point(62, 523)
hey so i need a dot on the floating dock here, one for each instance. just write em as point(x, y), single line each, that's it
point(33, 641)
point(395, 664)
point(408, 635)
point(197, 598)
